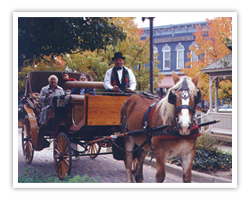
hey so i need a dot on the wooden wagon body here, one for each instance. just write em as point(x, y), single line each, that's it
point(71, 119)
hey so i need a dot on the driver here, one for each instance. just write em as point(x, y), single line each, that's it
point(46, 96)
point(119, 77)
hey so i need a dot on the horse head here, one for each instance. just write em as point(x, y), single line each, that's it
point(184, 96)
point(178, 107)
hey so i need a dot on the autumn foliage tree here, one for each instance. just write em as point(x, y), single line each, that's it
point(96, 62)
point(46, 64)
point(136, 51)
point(210, 46)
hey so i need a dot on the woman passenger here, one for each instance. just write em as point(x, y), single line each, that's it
point(83, 91)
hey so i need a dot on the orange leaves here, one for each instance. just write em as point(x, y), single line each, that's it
point(211, 40)
point(210, 46)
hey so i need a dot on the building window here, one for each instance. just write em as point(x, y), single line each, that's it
point(166, 50)
point(155, 51)
point(194, 56)
point(179, 56)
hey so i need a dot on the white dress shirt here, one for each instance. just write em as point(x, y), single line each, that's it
point(107, 79)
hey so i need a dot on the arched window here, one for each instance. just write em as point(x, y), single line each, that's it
point(166, 50)
point(194, 56)
point(155, 49)
point(179, 56)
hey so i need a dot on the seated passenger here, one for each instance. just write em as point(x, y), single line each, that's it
point(46, 96)
point(83, 77)
point(65, 77)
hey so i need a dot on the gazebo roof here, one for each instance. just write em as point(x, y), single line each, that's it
point(221, 65)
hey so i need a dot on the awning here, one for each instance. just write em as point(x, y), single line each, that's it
point(167, 81)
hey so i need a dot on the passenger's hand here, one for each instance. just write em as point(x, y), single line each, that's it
point(48, 93)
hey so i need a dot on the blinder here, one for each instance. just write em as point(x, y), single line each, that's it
point(172, 98)
point(198, 97)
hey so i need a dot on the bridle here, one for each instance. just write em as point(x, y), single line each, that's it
point(185, 94)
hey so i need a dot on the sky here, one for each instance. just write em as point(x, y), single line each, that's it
point(167, 18)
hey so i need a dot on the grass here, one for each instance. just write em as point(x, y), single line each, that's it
point(37, 176)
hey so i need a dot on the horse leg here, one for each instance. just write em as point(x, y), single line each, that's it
point(129, 145)
point(187, 160)
point(139, 167)
point(160, 166)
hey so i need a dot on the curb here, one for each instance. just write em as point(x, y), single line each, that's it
point(197, 177)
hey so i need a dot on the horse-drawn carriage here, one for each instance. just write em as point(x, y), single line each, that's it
point(83, 120)
point(165, 127)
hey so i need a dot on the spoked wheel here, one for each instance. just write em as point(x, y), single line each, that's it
point(94, 149)
point(62, 155)
point(28, 150)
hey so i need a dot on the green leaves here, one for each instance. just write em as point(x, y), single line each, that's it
point(212, 160)
point(39, 36)
point(208, 156)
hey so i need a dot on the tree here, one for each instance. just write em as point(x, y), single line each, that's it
point(46, 64)
point(211, 45)
point(52, 36)
point(97, 62)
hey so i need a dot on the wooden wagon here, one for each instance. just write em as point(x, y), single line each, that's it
point(83, 120)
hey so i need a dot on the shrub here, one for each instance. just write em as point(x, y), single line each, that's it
point(208, 156)
point(208, 160)
point(212, 160)
point(205, 141)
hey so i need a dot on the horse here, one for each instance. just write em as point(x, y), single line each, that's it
point(176, 110)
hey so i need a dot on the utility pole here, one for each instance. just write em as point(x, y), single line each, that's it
point(151, 51)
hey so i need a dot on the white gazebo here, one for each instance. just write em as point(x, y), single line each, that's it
point(220, 68)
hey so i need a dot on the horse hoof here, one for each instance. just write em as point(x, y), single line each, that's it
point(139, 180)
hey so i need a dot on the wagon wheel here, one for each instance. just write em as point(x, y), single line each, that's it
point(28, 150)
point(62, 155)
point(94, 149)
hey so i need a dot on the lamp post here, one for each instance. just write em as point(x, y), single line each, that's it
point(151, 51)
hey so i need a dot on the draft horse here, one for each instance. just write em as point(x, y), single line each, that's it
point(176, 109)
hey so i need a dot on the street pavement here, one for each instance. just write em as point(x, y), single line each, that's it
point(104, 166)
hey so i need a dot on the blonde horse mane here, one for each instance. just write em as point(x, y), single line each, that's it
point(167, 110)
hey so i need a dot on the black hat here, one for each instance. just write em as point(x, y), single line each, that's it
point(118, 55)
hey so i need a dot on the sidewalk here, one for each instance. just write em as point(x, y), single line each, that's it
point(197, 177)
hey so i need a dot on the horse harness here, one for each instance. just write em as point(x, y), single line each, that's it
point(185, 94)
point(171, 132)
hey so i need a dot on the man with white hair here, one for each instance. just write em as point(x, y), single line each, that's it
point(46, 96)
